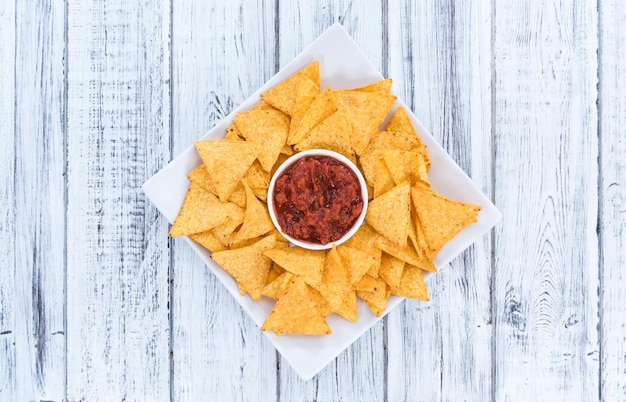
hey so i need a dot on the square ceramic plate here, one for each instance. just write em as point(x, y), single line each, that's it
point(342, 66)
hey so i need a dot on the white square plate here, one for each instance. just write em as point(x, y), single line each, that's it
point(342, 66)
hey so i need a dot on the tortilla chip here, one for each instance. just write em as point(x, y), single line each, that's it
point(299, 261)
point(269, 128)
point(277, 287)
point(256, 220)
point(381, 142)
point(224, 169)
point(391, 269)
point(261, 194)
point(248, 265)
point(287, 150)
point(233, 133)
point(411, 284)
point(283, 95)
point(224, 231)
point(201, 211)
point(335, 279)
point(366, 240)
point(378, 86)
point(441, 218)
point(406, 166)
point(334, 133)
point(238, 196)
point(384, 181)
point(275, 270)
point(262, 105)
point(209, 241)
point(323, 106)
point(407, 254)
point(307, 91)
point(368, 110)
point(366, 283)
point(300, 310)
point(390, 214)
point(257, 177)
point(347, 309)
point(201, 177)
point(377, 299)
point(400, 122)
point(358, 262)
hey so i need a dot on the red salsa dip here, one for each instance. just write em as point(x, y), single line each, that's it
point(317, 199)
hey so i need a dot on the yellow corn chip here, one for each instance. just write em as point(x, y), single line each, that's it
point(201, 211)
point(283, 95)
point(305, 96)
point(376, 300)
point(300, 310)
point(358, 262)
point(384, 182)
point(441, 218)
point(209, 241)
point(224, 169)
point(248, 265)
point(335, 280)
point(366, 283)
point(390, 214)
point(299, 261)
point(275, 271)
point(262, 105)
point(411, 284)
point(366, 240)
point(256, 220)
point(287, 150)
point(261, 194)
point(224, 231)
point(347, 309)
point(269, 128)
point(334, 133)
point(401, 123)
point(256, 177)
point(368, 110)
point(381, 142)
point(391, 270)
point(201, 177)
point(277, 287)
point(378, 86)
point(406, 166)
point(238, 196)
point(233, 133)
point(323, 106)
point(406, 253)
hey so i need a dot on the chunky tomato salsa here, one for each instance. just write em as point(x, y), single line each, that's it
point(317, 199)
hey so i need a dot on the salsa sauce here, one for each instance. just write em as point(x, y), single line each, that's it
point(317, 199)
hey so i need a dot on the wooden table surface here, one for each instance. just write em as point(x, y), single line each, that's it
point(97, 303)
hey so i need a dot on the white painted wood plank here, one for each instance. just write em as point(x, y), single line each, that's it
point(117, 263)
point(439, 56)
point(613, 200)
point(222, 52)
point(7, 197)
point(38, 202)
point(546, 248)
point(358, 374)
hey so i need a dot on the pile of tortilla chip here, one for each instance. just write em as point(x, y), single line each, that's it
point(407, 223)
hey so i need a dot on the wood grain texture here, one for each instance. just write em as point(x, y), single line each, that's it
point(613, 200)
point(546, 248)
point(7, 213)
point(439, 55)
point(38, 202)
point(222, 53)
point(358, 374)
point(117, 262)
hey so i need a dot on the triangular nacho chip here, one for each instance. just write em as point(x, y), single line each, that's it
point(381, 142)
point(269, 128)
point(201, 177)
point(283, 95)
point(384, 181)
point(209, 241)
point(366, 283)
point(390, 214)
point(347, 309)
point(248, 265)
point(441, 218)
point(366, 240)
point(257, 177)
point(307, 91)
point(407, 254)
point(368, 110)
point(300, 310)
point(277, 287)
point(334, 133)
point(323, 106)
point(224, 230)
point(357, 261)
point(335, 280)
point(201, 211)
point(299, 261)
point(411, 284)
point(391, 269)
point(256, 220)
point(224, 169)
point(377, 299)
point(406, 166)
point(378, 86)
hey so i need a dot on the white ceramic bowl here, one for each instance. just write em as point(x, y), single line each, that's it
point(291, 161)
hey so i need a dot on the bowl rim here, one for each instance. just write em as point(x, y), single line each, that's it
point(318, 152)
